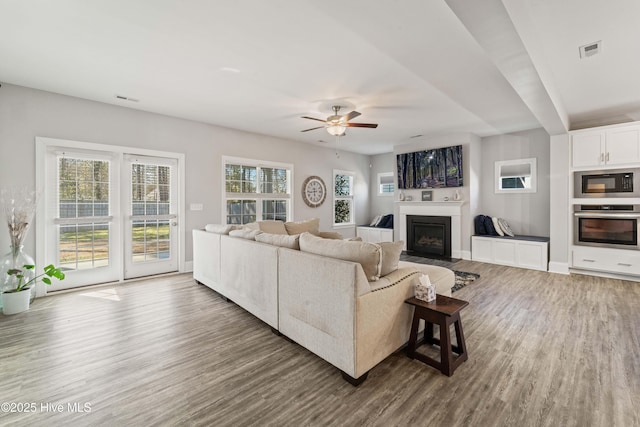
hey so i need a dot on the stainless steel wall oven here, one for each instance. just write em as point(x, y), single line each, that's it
point(611, 226)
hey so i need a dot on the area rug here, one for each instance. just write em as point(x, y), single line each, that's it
point(463, 279)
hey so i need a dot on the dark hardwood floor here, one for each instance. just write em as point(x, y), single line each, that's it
point(544, 350)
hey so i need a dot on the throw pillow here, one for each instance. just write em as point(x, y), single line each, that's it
point(245, 234)
point(282, 240)
point(478, 225)
point(386, 221)
point(219, 228)
point(494, 220)
point(375, 221)
point(505, 227)
point(366, 254)
point(310, 225)
point(390, 256)
point(488, 225)
point(272, 227)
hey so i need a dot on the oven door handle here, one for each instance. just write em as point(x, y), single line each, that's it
point(607, 215)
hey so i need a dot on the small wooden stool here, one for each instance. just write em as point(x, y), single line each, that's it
point(443, 312)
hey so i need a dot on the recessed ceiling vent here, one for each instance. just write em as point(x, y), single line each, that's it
point(126, 98)
point(590, 49)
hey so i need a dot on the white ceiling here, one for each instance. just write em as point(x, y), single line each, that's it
point(416, 67)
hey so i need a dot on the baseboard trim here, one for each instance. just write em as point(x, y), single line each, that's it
point(559, 267)
point(466, 255)
point(188, 266)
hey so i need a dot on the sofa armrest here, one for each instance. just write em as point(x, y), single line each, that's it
point(317, 304)
point(441, 277)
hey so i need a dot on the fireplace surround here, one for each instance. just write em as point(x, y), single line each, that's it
point(451, 209)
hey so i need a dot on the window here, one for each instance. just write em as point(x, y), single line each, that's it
point(516, 176)
point(256, 190)
point(385, 184)
point(343, 198)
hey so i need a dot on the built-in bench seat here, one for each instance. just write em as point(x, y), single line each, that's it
point(530, 252)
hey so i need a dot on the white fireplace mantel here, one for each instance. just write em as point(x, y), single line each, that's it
point(452, 209)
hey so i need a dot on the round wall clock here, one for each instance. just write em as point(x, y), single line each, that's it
point(314, 191)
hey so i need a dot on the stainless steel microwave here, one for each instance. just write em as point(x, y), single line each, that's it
point(607, 183)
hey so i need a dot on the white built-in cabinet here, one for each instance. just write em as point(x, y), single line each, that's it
point(374, 234)
point(607, 260)
point(612, 146)
point(520, 251)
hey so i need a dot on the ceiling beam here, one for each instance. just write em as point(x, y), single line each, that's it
point(491, 25)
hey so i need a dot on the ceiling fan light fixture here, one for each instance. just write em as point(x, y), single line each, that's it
point(336, 129)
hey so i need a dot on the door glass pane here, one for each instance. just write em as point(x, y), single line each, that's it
point(83, 246)
point(151, 195)
point(83, 192)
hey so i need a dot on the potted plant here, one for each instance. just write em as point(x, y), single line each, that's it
point(17, 300)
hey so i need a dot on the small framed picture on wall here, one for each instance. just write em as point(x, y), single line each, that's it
point(427, 196)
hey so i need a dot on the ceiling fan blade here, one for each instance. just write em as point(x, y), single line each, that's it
point(352, 115)
point(313, 118)
point(307, 130)
point(361, 125)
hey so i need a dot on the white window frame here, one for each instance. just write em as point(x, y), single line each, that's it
point(350, 198)
point(528, 180)
point(381, 185)
point(258, 195)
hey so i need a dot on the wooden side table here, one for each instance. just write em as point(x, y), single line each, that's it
point(443, 312)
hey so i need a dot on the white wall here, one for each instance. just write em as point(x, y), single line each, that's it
point(526, 213)
point(560, 215)
point(27, 113)
point(470, 144)
point(381, 163)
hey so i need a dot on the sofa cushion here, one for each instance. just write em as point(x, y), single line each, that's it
point(219, 228)
point(310, 225)
point(390, 256)
point(245, 234)
point(272, 227)
point(368, 255)
point(330, 235)
point(283, 240)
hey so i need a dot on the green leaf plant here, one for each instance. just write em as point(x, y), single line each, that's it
point(50, 271)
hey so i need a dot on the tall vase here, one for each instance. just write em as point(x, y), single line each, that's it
point(16, 259)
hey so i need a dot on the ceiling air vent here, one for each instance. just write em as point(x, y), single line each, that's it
point(126, 98)
point(590, 49)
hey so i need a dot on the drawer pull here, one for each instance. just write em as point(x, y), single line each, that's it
point(624, 265)
point(588, 260)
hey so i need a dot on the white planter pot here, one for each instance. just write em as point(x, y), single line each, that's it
point(15, 302)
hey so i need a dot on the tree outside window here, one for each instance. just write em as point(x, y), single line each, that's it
point(343, 198)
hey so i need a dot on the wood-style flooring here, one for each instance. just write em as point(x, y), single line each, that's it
point(544, 350)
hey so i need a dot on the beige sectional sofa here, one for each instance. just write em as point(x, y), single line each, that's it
point(325, 304)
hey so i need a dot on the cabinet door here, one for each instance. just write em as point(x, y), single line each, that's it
point(622, 146)
point(587, 149)
point(504, 252)
point(481, 249)
point(532, 255)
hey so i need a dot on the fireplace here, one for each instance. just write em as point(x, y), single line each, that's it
point(429, 236)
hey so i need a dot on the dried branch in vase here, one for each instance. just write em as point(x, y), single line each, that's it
point(19, 206)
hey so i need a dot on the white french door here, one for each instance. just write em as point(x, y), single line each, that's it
point(107, 215)
point(83, 228)
point(151, 244)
